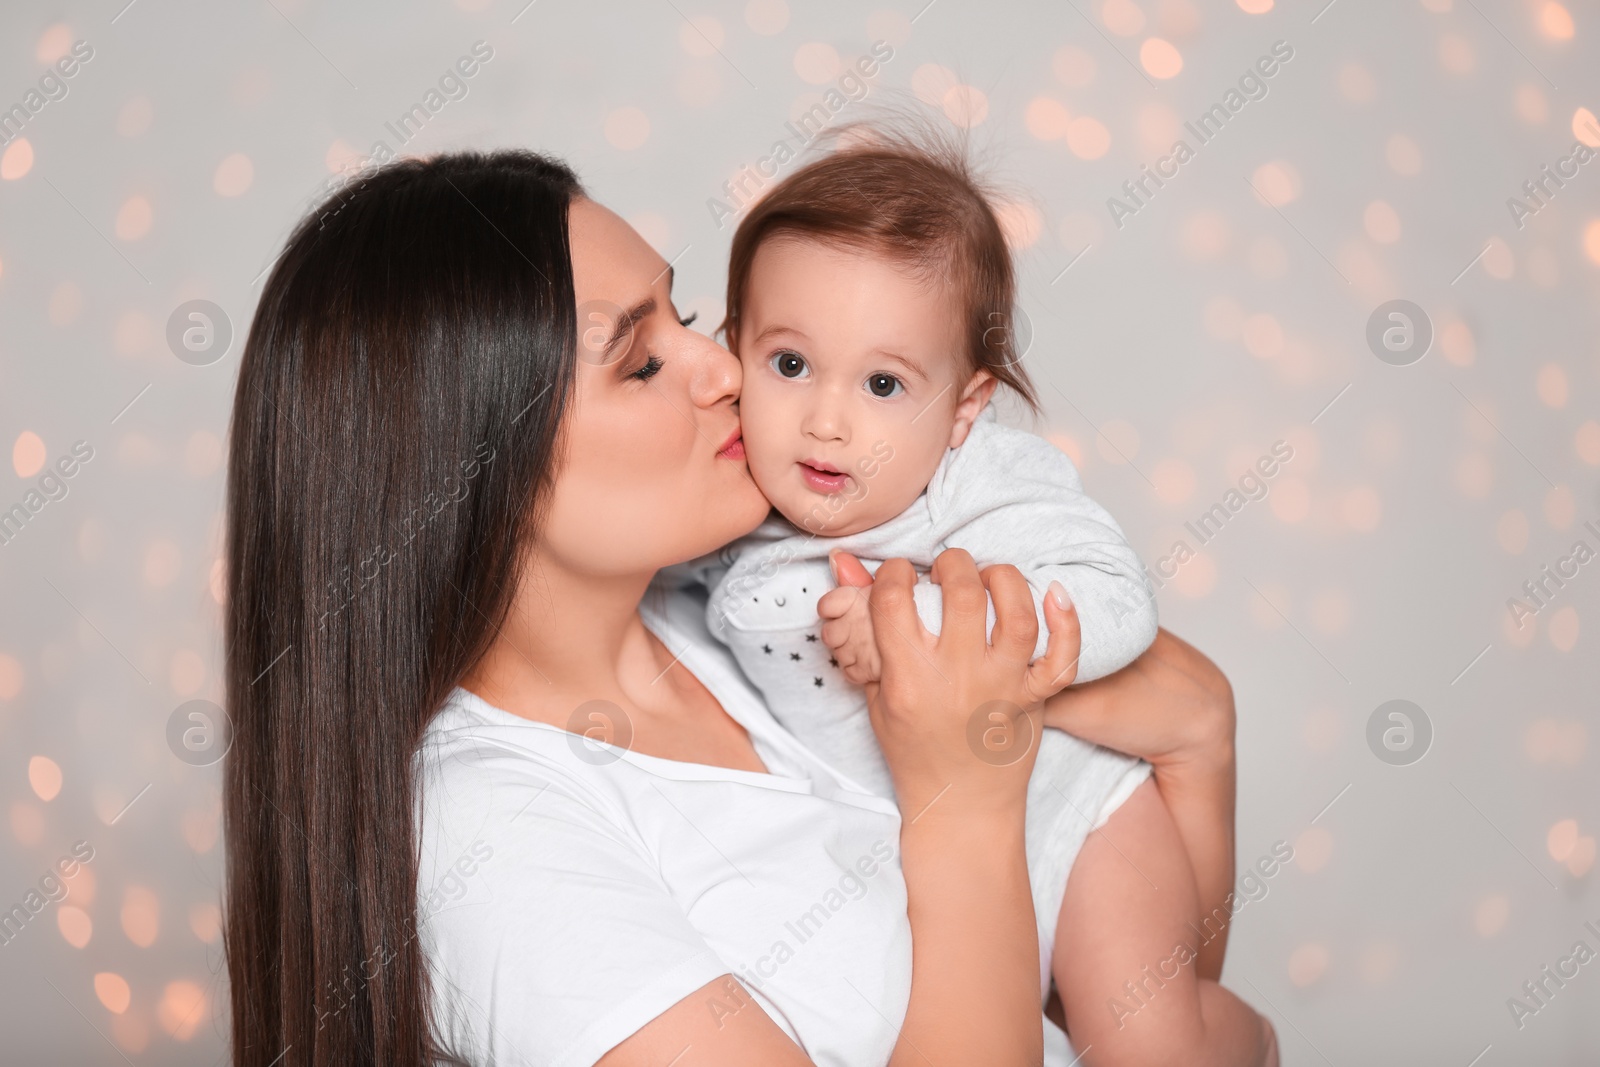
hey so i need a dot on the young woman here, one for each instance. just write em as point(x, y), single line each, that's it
point(445, 511)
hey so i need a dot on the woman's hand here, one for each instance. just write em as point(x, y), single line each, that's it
point(961, 710)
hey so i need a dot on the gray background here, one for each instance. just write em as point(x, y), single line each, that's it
point(1170, 354)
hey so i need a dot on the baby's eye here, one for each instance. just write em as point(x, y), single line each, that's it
point(789, 365)
point(884, 385)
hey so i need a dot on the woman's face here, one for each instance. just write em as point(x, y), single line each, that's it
point(653, 469)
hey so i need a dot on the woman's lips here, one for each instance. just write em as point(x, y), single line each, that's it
point(822, 480)
point(734, 447)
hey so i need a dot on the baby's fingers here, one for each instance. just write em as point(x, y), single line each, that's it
point(1056, 669)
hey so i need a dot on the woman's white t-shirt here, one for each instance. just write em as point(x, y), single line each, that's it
point(571, 891)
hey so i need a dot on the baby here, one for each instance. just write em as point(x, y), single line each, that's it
point(870, 299)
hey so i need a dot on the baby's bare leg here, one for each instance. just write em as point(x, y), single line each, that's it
point(1125, 953)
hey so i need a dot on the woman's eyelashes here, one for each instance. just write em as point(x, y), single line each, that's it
point(652, 364)
point(689, 319)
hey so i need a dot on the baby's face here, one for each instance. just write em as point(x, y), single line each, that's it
point(854, 384)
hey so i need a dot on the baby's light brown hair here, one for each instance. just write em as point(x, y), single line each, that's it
point(917, 202)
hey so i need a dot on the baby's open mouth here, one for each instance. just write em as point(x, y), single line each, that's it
point(822, 478)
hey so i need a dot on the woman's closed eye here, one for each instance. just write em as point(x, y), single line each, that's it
point(884, 386)
point(789, 364)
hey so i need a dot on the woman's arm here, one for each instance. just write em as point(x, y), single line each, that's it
point(1173, 707)
point(975, 949)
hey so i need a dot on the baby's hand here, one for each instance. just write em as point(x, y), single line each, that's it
point(847, 623)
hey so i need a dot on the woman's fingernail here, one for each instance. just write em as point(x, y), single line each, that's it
point(1058, 593)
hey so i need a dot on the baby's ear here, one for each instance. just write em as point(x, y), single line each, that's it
point(974, 398)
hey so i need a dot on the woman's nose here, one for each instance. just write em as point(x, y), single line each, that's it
point(717, 375)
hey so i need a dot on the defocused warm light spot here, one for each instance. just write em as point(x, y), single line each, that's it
point(1117, 442)
point(1511, 531)
point(135, 117)
point(162, 561)
point(1361, 508)
point(1321, 729)
point(701, 36)
point(1560, 509)
point(1277, 182)
point(1518, 632)
point(182, 1009)
point(1498, 262)
point(17, 160)
point(1330, 611)
point(1254, 7)
point(769, 17)
point(1122, 17)
point(10, 677)
point(1457, 343)
point(1591, 241)
point(1439, 7)
point(1308, 963)
point(134, 218)
point(80, 890)
point(341, 157)
point(1196, 578)
point(1088, 138)
point(1582, 857)
point(1072, 66)
point(1456, 54)
point(1312, 849)
point(202, 452)
point(27, 454)
point(1585, 127)
point(27, 823)
point(1263, 337)
point(1555, 21)
point(1020, 221)
point(1587, 443)
point(218, 581)
point(44, 775)
point(112, 989)
point(627, 128)
point(1403, 155)
point(187, 672)
point(66, 304)
point(1381, 222)
point(141, 915)
point(1532, 107)
point(1378, 962)
point(817, 62)
point(1204, 235)
point(1174, 480)
point(1069, 445)
point(75, 925)
point(234, 175)
point(1489, 917)
point(1356, 84)
point(1563, 630)
point(1160, 58)
point(206, 922)
point(1558, 741)
point(931, 81)
point(200, 830)
point(1561, 839)
point(1552, 385)
point(965, 105)
point(54, 42)
point(1474, 476)
point(1290, 500)
point(1047, 118)
point(1270, 608)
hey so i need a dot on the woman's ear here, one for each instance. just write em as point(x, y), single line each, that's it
point(974, 398)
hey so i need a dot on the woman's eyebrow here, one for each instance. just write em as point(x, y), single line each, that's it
point(624, 327)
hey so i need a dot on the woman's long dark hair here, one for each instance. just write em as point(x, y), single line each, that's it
point(394, 429)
